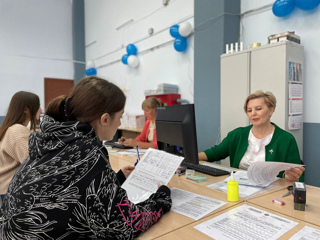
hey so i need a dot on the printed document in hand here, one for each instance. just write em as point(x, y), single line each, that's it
point(155, 167)
point(246, 222)
point(193, 205)
point(265, 173)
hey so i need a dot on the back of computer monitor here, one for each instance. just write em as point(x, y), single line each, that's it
point(176, 131)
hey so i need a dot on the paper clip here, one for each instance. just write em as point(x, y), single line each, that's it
point(138, 159)
point(281, 203)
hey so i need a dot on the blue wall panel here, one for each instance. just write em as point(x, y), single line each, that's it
point(213, 29)
point(311, 153)
point(1, 119)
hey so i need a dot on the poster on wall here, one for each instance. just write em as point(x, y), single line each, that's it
point(295, 72)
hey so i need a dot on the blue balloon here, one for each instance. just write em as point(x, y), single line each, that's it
point(131, 49)
point(124, 59)
point(91, 72)
point(307, 5)
point(282, 8)
point(180, 44)
point(174, 31)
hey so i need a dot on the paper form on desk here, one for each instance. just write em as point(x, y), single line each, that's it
point(155, 167)
point(246, 222)
point(245, 190)
point(306, 233)
point(243, 179)
point(265, 173)
point(133, 152)
point(193, 205)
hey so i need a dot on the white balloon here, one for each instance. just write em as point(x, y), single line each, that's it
point(185, 29)
point(90, 64)
point(133, 61)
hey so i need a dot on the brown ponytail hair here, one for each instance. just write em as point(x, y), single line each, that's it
point(88, 101)
point(16, 111)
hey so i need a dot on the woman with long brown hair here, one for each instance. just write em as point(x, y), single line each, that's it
point(67, 189)
point(24, 108)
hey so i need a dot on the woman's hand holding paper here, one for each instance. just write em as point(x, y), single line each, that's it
point(293, 174)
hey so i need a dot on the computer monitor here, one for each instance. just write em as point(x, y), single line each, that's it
point(176, 131)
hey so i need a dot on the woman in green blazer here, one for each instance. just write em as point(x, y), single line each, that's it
point(261, 141)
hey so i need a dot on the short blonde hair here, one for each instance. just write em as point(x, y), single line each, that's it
point(268, 97)
point(151, 102)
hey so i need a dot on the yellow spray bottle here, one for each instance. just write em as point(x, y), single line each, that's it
point(232, 189)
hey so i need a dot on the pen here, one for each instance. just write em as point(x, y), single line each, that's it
point(138, 159)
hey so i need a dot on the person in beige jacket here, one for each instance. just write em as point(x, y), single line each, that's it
point(24, 108)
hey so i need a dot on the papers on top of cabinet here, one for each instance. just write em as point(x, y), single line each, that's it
point(246, 222)
point(265, 173)
point(193, 205)
point(155, 167)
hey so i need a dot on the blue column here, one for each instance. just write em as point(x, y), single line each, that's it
point(211, 36)
point(78, 39)
point(1, 119)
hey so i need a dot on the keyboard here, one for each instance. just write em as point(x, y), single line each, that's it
point(205, 169)
point(116, 145)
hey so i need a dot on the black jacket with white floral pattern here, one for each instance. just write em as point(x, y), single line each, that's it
point(66, 189)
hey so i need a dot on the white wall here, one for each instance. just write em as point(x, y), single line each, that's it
point(106, 45)
point(33, 35)
point(256, 27)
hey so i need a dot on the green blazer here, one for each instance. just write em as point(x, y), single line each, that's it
point(282, 147)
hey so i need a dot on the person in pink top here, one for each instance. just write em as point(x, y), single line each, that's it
point(148, 137)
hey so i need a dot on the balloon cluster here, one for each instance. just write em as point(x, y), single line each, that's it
point(282, 8)
point(130, 58)
point(90, 69)
point(180, 33)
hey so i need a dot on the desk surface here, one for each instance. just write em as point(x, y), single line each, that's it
point(280, 184)
point(130, 160)
point(189, 232)
point(124, 160)
point(172, 221)
point(311, 213)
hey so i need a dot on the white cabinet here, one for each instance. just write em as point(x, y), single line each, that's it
point(264, 68)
